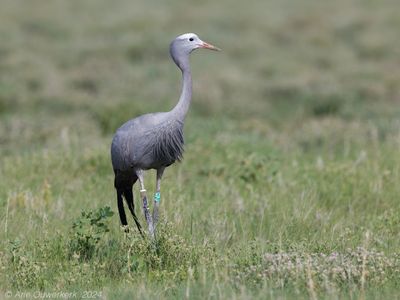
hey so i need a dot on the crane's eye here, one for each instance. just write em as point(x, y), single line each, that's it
point(191, 39)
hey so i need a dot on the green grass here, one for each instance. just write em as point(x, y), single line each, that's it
point(290, 183)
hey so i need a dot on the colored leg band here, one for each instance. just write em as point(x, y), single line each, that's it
point(157, 197)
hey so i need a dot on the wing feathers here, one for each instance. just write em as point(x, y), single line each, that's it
point(166, 143)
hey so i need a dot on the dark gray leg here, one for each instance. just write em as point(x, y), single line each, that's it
point(146, 210)
point(157, 195)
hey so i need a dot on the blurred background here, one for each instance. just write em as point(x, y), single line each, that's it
point(292, 139)
point(78, 69)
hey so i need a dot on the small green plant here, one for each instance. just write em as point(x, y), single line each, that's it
point(87, 231)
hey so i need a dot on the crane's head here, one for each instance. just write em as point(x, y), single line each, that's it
point(184, 44)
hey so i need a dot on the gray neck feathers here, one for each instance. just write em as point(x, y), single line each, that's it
point(182, 107)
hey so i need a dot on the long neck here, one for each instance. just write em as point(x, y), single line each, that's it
point(181, 108)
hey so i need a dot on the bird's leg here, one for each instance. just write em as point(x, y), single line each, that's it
point(157, 195)
point(146, 210)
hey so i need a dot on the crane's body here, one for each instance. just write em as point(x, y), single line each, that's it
point(154, 140)
point(148, 142)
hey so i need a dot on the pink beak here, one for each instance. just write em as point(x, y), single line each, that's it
point(209, 46)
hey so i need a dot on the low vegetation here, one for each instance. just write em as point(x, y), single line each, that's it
point(289, 185)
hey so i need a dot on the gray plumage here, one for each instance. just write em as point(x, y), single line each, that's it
point(155, 140)
point(147, 142)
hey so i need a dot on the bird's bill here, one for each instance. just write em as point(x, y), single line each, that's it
point(209, 46)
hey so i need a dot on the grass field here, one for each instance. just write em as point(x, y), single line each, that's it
point(290, 183)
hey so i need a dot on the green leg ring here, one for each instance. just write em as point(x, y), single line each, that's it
point(157, 197)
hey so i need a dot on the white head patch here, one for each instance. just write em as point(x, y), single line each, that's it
point(187, 36)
